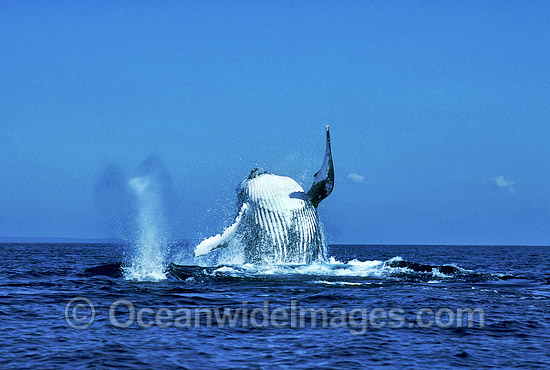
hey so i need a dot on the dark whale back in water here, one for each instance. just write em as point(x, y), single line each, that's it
point(113, 270)
point(419, 267)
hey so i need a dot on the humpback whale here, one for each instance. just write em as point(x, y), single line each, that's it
point(277, 221)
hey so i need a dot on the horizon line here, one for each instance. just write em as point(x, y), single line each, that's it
point(76, 240)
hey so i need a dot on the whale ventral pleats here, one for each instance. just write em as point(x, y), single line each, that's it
point(276, 221)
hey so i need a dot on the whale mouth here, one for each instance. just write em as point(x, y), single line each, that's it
point(256, 172)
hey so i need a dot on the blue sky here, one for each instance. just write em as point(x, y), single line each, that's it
point(439, 113)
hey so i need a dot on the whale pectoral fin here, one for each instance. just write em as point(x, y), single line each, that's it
point(221, 240)
point(323, 182)
point(207, 246)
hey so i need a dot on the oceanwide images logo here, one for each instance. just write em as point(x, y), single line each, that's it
point(80, 313)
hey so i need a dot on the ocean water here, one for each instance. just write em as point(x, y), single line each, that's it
point(507, 290)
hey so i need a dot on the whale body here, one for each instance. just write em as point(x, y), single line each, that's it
point(277, 221)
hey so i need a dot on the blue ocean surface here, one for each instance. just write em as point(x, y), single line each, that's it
point(48, 323)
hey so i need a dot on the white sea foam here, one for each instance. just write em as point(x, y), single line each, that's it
point(330, 268)
point(324, 282)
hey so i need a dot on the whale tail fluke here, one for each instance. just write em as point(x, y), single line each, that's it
point(323, 182)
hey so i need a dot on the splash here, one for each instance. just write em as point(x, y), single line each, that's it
point(151, 243)
point(333, 272)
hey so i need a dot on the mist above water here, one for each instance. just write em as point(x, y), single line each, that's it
point(137, 209)
point(151, 243)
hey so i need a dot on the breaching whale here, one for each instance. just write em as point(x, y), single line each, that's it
point(277, 222)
